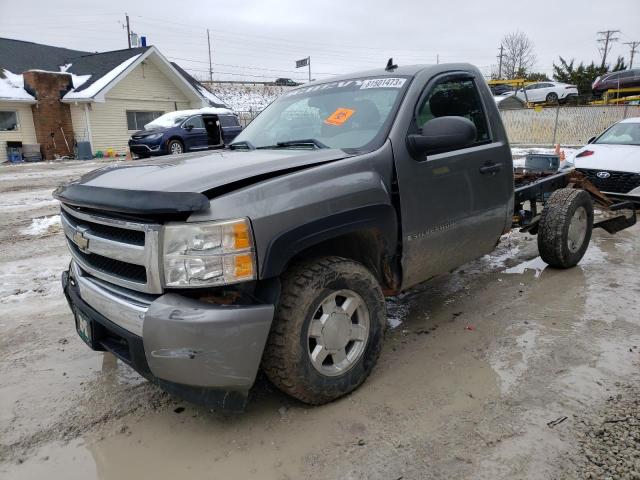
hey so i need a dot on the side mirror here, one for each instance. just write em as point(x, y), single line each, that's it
point(591, 140)
point(442, 134)
point(188, 128)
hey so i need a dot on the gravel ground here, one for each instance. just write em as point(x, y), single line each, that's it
point(609, 441)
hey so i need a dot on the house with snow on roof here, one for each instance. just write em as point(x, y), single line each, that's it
point(55, 96)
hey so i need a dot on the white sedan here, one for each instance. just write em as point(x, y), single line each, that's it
point(550, 92)
point(611, 160)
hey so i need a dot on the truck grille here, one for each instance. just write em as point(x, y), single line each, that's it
point(618, 182)
point(118, 251)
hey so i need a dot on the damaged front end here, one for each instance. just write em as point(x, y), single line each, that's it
point(206, 353)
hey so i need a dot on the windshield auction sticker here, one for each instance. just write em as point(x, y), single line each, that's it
point(339, 117)
point(383, 83)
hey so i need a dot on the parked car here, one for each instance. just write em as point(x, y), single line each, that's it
point(286, 82)
point(549, 92)
point(621, 79)
point(186, 131)
point(278, 253)
point(611, 161)
point(501, 89)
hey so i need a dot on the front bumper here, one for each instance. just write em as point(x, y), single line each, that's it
point(144, 149)
point(207, 354)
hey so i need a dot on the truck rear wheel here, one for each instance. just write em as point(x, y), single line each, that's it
point(565, 227)
point(328, 330)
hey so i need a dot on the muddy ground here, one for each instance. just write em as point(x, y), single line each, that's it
point(479, 370)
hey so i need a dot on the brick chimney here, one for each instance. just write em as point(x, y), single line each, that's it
point(51, 117)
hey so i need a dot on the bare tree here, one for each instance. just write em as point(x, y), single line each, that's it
point(518, 57)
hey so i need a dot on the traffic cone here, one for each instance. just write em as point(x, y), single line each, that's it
point(557, 150)
point(128, 157)
point(562, 156)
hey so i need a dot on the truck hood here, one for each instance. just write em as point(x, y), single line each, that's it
point(177, 183)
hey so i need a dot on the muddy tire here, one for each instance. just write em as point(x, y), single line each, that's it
point(552, 98)
point(328, 330)
point(565, 227)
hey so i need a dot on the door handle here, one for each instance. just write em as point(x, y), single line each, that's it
point(490, 168)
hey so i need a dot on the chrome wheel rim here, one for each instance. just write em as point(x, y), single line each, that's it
point(176, 148)
point(338, 333)
point(577, 230)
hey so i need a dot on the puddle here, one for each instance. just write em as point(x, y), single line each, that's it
point(537, 265)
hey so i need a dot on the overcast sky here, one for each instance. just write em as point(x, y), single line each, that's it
point(260, 40)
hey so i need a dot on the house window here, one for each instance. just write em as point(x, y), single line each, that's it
point(137, 120)
point(8, 121)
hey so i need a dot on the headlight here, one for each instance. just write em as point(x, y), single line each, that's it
point(208, 253)
point(154, 136)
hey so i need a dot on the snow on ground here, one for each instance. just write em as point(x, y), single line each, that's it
point(37, 276)
point(12, 87)
point(42, 225)
point(244, 98)
point(27, 200)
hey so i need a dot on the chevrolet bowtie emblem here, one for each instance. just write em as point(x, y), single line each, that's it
point(80, 240)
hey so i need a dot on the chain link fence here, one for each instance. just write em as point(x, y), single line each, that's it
point(567, 125)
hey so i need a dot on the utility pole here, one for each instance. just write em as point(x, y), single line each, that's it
point(210, 68)
point(607, 38)
point(437, 59)
point(633, 46)
point(128, 30)
point(500, 62)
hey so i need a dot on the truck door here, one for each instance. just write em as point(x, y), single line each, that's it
point(454, 204)
point(194, 134)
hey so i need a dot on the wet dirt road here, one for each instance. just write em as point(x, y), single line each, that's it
point(475, 365)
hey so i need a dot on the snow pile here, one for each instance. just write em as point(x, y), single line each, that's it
point(172, 118)
point(95, 88)
point(12, 87)
point(247, 97)
point(40, 226)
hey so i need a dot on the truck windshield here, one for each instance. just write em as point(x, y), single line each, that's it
point(621, 134)
point(349, 115)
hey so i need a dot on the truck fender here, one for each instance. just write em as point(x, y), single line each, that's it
point(380, 218)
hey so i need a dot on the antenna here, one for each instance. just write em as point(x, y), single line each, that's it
point(390, 65)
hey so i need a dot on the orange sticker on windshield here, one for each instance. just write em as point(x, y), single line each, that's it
point(340, 116)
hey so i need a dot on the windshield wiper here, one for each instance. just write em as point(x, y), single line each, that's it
point(298, 143)
point(242, 144)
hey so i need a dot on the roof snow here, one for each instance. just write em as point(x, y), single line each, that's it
point(95, 88)
point(12, 87)
point(209, 96)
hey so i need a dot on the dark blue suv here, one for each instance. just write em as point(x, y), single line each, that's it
point(186, 131)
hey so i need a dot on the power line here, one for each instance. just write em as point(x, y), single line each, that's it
point(632, 46)
point(607, 38)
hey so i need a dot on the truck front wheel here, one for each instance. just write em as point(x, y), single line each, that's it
point(328, 330)
point(565, 227)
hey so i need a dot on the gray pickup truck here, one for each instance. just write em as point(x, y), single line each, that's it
point(198, 270)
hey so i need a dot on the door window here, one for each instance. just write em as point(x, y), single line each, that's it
point(229, 121)
point(194, 122)
point(459, 98)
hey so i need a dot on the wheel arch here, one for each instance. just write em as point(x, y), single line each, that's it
point(368, 235)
